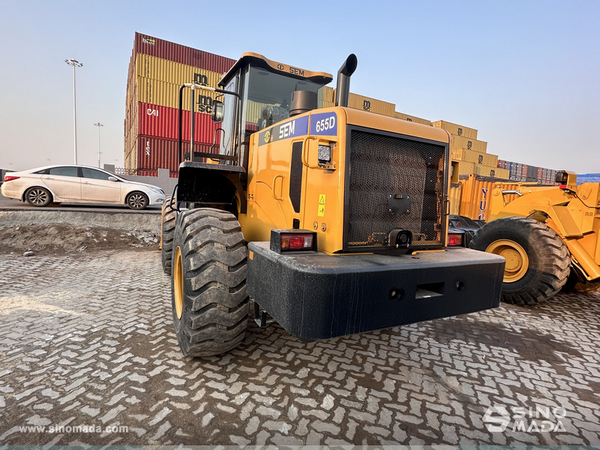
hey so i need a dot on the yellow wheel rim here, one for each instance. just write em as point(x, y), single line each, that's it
point(178, 282)
point(517, 261)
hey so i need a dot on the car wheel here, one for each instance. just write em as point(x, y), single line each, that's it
point(137, 200)
point(38, 196)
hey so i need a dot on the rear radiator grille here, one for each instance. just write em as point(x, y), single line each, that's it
point(296, 176)
point(381, 166)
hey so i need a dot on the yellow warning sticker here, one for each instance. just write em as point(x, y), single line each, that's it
point(321, 212)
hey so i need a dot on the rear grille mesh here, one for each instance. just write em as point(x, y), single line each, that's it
point(381, 166)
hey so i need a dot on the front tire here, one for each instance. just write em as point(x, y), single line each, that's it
point(537, 259)
point(209, 300)
point(137, 200)
point(167, 232)
point(38, 196)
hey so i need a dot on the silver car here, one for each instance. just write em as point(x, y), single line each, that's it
point(78, 184)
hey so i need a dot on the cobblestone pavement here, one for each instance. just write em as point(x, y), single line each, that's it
point(87, 342)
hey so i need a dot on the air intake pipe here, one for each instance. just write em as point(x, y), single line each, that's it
point(342, 92)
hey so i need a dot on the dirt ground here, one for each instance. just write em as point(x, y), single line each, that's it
point(68, 239)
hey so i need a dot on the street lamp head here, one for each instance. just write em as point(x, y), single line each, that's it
point(73, 62)
point(98, 124)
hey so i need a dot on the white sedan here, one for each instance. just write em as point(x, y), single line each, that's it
point(78, 184)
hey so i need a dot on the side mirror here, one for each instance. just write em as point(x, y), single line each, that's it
point(112, 179)
point(218, 111)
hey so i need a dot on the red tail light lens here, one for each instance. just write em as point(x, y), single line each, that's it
point(9, 178)
point(292, 242)
point(455, 240)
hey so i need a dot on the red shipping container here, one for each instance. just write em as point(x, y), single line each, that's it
point(155, 153)
point(540, 173)
point(501, 164)
point(163, 122)
point(149, 45)
point(524, 168)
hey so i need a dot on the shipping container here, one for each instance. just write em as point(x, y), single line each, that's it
point(539, 173)
point(492, 171)
point(466, 168)
point(460, 142)
point(485, 159)
point(532, 172)
point(502, 164)
point(524, 169)
point(149, 45)
point(162, 122)
point(156, 153)
point(456, 130)
point(372, 105)
point(477, 194)
point(410, 118)
point(173, 72)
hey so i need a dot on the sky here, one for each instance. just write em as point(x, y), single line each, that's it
point(524, 73)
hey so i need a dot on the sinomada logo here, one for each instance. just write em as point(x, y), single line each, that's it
point(541, 419)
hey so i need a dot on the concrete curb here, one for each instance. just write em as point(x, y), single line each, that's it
point(109, 219)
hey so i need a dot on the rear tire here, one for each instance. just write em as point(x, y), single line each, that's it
point(537, 259)
point(38, 196)
point(209, 300)
point(167, 232)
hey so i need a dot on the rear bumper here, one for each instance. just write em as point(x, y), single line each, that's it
point(316, 296)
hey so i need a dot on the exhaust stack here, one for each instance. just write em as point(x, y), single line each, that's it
point(342, 92)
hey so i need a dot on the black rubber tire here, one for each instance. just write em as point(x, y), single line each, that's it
point(549, 258)
point(38, 196)
point(136, 200)
point(212, 267)
point(167, 232)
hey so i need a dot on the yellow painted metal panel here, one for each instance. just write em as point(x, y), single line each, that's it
point(410, 118)
point(460, 142)
point(479, 158)
point(454, 197)
point(466, 168)
point(456, 130)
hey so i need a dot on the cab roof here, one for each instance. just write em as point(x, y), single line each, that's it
point(275, 67)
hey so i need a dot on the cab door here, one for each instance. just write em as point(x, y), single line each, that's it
point(96, 187)
point(64, 182)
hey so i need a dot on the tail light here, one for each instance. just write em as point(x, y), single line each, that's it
point(455, 240)
point(293, 240)
point(9, 178)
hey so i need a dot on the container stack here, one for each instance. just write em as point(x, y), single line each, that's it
point(157, 69)
point(471, 153)
point(530, 174)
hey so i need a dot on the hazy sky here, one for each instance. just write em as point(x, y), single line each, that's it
point(526, 74)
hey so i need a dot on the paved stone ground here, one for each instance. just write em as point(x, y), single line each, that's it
point(87, 341)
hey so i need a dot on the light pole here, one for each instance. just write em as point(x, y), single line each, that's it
point(98, 125)
point(75, 64)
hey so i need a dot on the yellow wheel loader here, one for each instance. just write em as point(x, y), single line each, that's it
point(331, 220)
point(547, 235)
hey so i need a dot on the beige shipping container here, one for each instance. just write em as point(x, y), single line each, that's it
point(173, 72)
point(466, 168)
point(460, 142)
point(483, 159)
point(478, 193)
point(490, 171)
point(167, 94)
point(372, 105)
point(456, 130)
point(410, 118)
